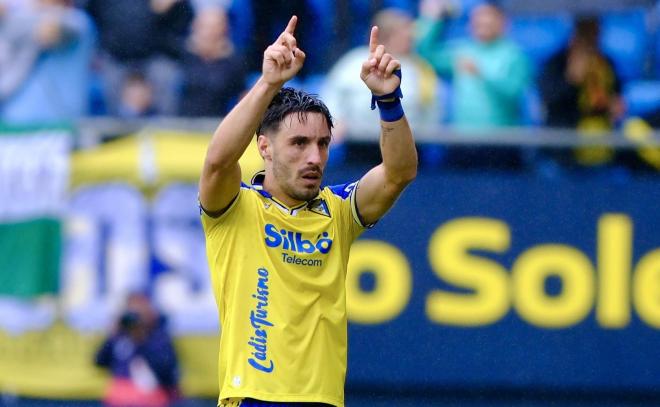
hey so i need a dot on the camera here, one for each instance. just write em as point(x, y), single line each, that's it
point(129, 320)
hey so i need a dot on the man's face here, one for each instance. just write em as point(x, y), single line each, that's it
point(399, 42)
point(296, 156)
point(486, 23)
point(210, 27)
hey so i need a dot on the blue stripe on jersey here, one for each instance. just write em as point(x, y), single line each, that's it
point(344, 190)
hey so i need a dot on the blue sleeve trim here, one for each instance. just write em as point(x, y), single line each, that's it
point(343, 190)
point(356, 212)
point(346, 191)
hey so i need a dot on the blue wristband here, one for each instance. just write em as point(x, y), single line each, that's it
point(394, 95)
point(389, 106)
point(390, 111)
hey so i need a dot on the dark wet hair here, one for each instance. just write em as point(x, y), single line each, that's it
point(288, 101)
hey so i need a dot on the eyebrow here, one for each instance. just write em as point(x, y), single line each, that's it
point(302, 136)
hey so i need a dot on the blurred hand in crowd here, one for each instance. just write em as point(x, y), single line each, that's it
point(468, 66)
point(162, 6)
point(48, 32)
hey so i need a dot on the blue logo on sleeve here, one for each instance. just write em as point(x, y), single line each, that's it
point(294, 241)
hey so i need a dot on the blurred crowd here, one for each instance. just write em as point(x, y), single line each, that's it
point(467, 63)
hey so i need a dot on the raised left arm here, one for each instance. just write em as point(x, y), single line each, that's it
point(379, 187)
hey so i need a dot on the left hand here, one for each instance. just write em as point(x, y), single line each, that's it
point(377, 70)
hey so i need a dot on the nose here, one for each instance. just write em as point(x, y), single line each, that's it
point(314, 155)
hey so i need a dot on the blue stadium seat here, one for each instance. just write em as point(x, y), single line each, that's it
point(540, 36)
point(642, 97)
point(624, 38)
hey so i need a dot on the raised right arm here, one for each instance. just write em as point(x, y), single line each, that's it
point(221, 175)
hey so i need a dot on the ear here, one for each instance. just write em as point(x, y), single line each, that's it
point(264, 146)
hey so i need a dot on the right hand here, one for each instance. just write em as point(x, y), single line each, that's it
point(283, 59)
point(378, 70)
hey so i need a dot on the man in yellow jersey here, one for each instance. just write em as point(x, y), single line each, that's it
point(278, 249)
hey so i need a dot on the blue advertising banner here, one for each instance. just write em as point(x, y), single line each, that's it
point(504, 279)
point(476, 279)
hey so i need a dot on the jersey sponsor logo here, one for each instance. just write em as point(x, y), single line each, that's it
point(293, 241)
point(259, 321)
point(287, 258)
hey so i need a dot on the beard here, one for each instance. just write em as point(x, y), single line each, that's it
point(301, 194)
point(286, 178)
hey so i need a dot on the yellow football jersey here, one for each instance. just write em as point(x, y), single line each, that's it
point(278, 274)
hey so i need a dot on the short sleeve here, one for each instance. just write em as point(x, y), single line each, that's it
point(349, 212)
point(210, 220)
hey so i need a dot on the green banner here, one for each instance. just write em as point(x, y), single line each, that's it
point(30, 257)
point(34, 178)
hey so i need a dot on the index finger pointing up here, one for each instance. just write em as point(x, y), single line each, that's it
point(291, 27)
point(373, 39)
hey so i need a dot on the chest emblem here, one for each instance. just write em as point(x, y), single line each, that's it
point(319, 206)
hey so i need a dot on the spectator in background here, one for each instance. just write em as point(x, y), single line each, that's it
point(16, 58)
point(351, 20)
point(580, 89)
point(344, 92)
point(140, 357)
point(579, 85)
point(137, 97)
point(488, 72)
point(45, 53)
point(213, 70)
point(141, 35)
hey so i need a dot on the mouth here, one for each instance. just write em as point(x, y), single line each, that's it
point(311, 176)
